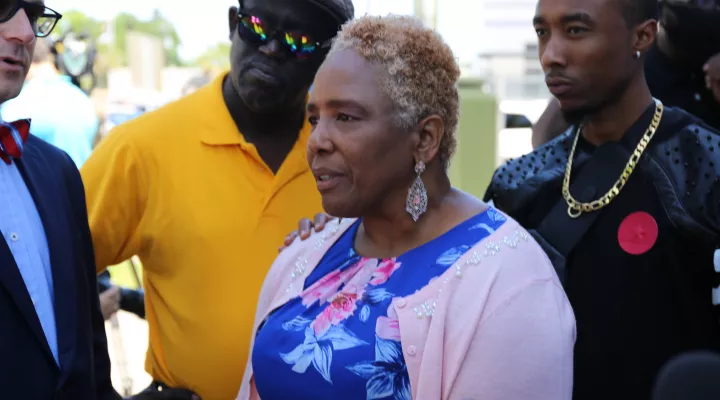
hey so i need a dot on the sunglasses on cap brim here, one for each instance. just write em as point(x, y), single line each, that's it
point(258, 31)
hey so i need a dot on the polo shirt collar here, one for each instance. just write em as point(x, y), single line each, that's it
point(220, 126)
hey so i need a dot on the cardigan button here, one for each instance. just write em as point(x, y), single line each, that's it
point(412, 351)
point(400, 303)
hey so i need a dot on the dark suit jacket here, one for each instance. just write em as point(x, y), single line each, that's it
point(27, 367)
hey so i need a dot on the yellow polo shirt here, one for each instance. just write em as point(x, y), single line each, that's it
point(180, 188)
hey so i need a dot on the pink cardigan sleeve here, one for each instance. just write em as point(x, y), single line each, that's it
point(522, 349)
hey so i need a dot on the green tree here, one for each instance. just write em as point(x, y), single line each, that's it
point(111, 37)
point(78, 22)
point(114, 51)
point(158, 26)
point(215, 58)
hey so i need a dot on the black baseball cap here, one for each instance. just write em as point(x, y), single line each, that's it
point(341, 11)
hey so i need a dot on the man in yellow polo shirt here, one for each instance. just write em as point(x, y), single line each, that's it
point(204, 190)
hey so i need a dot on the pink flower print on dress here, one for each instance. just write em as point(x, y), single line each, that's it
point(340, 308)
point(321, 290)
point(328, 286)
point(388, 328)
point(359, 281)
point(344, 303)
point(383, 271)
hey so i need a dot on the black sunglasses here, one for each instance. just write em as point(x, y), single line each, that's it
point(258, 31)
point(42, 19)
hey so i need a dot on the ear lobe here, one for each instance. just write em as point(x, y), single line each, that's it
point(432, 131)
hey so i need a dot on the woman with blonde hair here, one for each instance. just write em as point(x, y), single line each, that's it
point(418, 291)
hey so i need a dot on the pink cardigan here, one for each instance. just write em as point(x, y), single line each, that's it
point(495, 326)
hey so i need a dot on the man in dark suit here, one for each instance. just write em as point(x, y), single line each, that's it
point(52, 335)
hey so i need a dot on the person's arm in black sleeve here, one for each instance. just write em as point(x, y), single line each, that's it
point(133, 301)
point(104, 281)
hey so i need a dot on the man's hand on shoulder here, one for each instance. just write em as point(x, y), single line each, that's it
point(305, 227)
point(712, 75)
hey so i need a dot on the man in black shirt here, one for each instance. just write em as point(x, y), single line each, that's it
point(677, 67)
point(626, 203)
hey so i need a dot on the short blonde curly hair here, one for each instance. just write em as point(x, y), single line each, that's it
point(422, 73)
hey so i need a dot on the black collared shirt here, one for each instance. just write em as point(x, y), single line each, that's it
point(679, 86)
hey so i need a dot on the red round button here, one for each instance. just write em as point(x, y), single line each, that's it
point(638, 233)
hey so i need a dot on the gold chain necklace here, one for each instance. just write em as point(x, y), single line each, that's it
point(576, 208)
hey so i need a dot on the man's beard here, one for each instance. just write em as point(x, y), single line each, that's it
point(267, 99)
point(577, 116)
point(273, 100)
point(263, 101)
point(580, 114)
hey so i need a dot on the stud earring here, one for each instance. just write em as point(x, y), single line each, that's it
point(637, 54)
point(416, 203)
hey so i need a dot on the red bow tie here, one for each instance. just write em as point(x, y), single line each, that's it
point(13, 136)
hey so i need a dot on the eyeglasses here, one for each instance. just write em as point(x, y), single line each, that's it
point(255, 30)
point(42, 19)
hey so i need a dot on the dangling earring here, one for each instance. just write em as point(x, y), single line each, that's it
point(416, 203)
point(637, 54)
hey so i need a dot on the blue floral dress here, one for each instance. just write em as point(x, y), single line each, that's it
point(340, 338)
